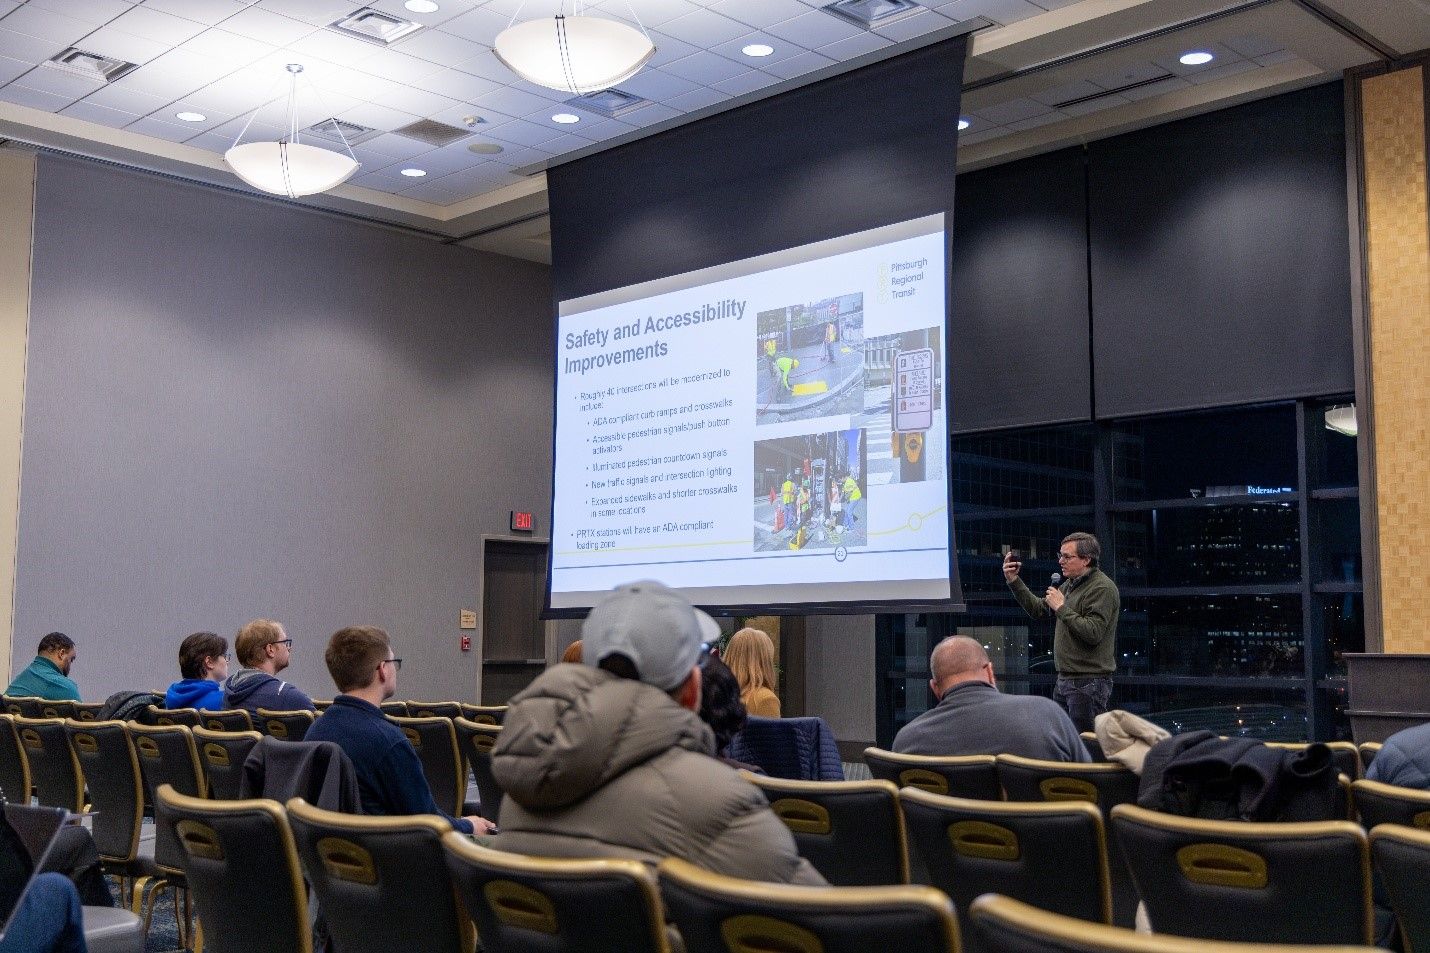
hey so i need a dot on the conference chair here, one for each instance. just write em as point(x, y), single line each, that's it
point(285, 725)
point(851, 831)
point(15, 784)
point(433, 709)
point(476, 741)
point(973, 776)
point(436, 743)
point(719, 914)
point(87, 711)
point(484, 714)
point(1105, 784)
point(1289, 882)
point(1387, 804)
point(382, 882)
point(110, 770)
point(1005, 924)
point(53, 769)
point(226, 720)
point(223, 754)
point(154, 715)
point(322, 704)
point(57, 709)
point(241, 862)
point(1368, 751)
point(394, 709)
point(547, 905)
point(1052, 855)
point(1344, 755)
point(1093, 746)
point(167, 755)
point(1402, 858)
point(25, 706)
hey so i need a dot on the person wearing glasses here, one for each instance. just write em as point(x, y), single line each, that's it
point(389, 776)
point(1086, 605)
point(203, 663)
point(264, 650)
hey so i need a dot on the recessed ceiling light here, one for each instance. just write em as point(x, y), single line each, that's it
point(758, 49)
point(414, 173)
point(421, 6)
point(191, 117)
point(566, 119)
point(1196, 58)
point(963, 124)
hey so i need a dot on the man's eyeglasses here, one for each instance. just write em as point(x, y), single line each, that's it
point(287, 642)
point(1063, 557)
point(396, 663)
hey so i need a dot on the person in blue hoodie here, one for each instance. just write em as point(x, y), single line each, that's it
point(264, 650)
point(203, 661)
point(48, 676)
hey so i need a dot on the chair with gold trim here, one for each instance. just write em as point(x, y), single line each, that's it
point(53, 769)
point(1402, 858)
point(972, 775)
point(1368, 751)
point(106, 759)
point(1093, 746)
point(851, 831)
point(382, 882)
point(1007, 925)
point(1052, 855)
point(167, 755)
point(25, 706)
point(1105, 784)
point(1344, 755)
point(476, 740)
point(57, 709)
point(719, 914)
point(154, 715)
point(87, 711)
point(322, 704)
point(285, 725)
point(433, 709)
point(15, 784)
point(241, 862)
point(223, 754)
point(547, 905)
point(484, 714)
point(1380, 803)
point(235, 719)
point(435, 741)
point(394, 709)
point(1289, 882)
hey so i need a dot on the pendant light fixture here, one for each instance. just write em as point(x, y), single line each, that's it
point(289, 167)
point(576, 54)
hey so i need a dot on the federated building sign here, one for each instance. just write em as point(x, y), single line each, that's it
point(913, 390)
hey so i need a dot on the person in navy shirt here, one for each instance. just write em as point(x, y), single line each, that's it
point(203, 663)
point(389, 776)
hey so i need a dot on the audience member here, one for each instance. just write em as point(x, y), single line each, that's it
point(572, 653)
point(203, 663)
point(390, 778)
point(610, 758)
point(1404, 759)
point(47, 676)
point(264, 650)
point(751, 656)
point(973, 717)
point(720, 705)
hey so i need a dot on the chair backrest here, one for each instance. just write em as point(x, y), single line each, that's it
point(543, 905)
point(222, 754)
point(25, 706)
point(167, 755)
point(53, 769)
point(382, 882)
point(719, 914)
point(57, 709)
point(436, 743)
point(1052, 854)
point(1093, 746)
point(1344, 755)
point(484, 714)
point(394, 709)
point(476, 741)
point(15, 781)
point(87, 711)
point(434, 709)
point(285, 725)
point(322, 704)
point(1387, 804)
point(1295, 882)
point(226, 720)
point(1005, 924)
point(1368, 751)
point(851, 831)
point(1402, 857)
point(241, 863)
point(972, 776)
point(154, 715)
point(116, 790)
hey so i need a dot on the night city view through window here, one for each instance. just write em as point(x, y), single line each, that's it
point(1237, 553)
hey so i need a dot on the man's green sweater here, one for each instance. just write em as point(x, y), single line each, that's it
point(43, 679)
point(1085, 636)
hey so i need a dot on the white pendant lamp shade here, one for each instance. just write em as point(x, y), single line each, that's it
point(289, 168)
point(576, 54)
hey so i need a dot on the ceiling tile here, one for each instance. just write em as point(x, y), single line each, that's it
point(652, 114)
point(255, 131)
point(848, 49)
point(31, 49)
point(1131, 73)
point(128, 100)
point(91, 11)
point(239, 92)
point(1094, 105)
point(783, 49)
point(748, 83)
point(267, 27)
point(814, 29)
point(459, 114)
point(1223, 71)
point(486, 65)
point(1014, 110)
point(479, 26)
point(1271, 59)
point(398, 67)
point(153, 25)
point(522, 133)
point(232, 47)
point(435, 193)
point(512, 102)
point(444, 49)
point(696, 100)
point(650, 13)
point(103, 115)
point(317, 12)
point(798, 65)
point(1065, 92)
point(1034, 122)
point(173, 132)
point(1155, 89)
point(6, 6)
point(1252, 45)
point(1222, 56)
point(34, 98)
point(656, 84)
point(441, 162)
point(212, 141)
point(705, 68)
point(917, 25)
point(175, 74)
point(446, 10)
point(704, 28)
point(399, 147)
point(564, 144)
point(329, 77)
point(417, 101)
point(760, 13)
point(378, 117)
point(999, 11)
point(125, 46)
point(668, 49)
point(12, 68)
point(204, 11)
point(334, 47)
point(974, 138)
point(212, 117)
point(47, 79)
point(46, 25)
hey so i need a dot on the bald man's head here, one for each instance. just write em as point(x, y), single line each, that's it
point(958, 659)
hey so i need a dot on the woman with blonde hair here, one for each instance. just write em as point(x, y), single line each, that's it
point(751, 656)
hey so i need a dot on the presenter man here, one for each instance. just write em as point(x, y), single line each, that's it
point(1085, 605)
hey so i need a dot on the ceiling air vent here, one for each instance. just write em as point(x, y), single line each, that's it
point(340, 130)
point(868, 14)
point(610, 103)
point(433, 133)
point(374, 26)
point(94, 66)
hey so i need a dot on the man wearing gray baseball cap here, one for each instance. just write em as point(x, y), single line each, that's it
point(609, 758)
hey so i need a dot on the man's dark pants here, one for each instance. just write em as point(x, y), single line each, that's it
point(1084, 696)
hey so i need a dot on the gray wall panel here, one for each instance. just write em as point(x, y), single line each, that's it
point(239, 409)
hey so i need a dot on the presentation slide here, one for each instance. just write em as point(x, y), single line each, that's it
point(768, 432)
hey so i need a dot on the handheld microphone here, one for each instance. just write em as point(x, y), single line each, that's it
point(1057, 580)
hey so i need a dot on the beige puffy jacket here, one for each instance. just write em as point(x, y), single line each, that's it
point(599, 766)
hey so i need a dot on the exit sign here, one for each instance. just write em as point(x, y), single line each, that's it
point(522, 522)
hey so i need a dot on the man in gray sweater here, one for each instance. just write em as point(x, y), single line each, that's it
point(973, 717)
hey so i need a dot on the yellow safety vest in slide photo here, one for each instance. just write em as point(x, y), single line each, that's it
point(852, 489)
